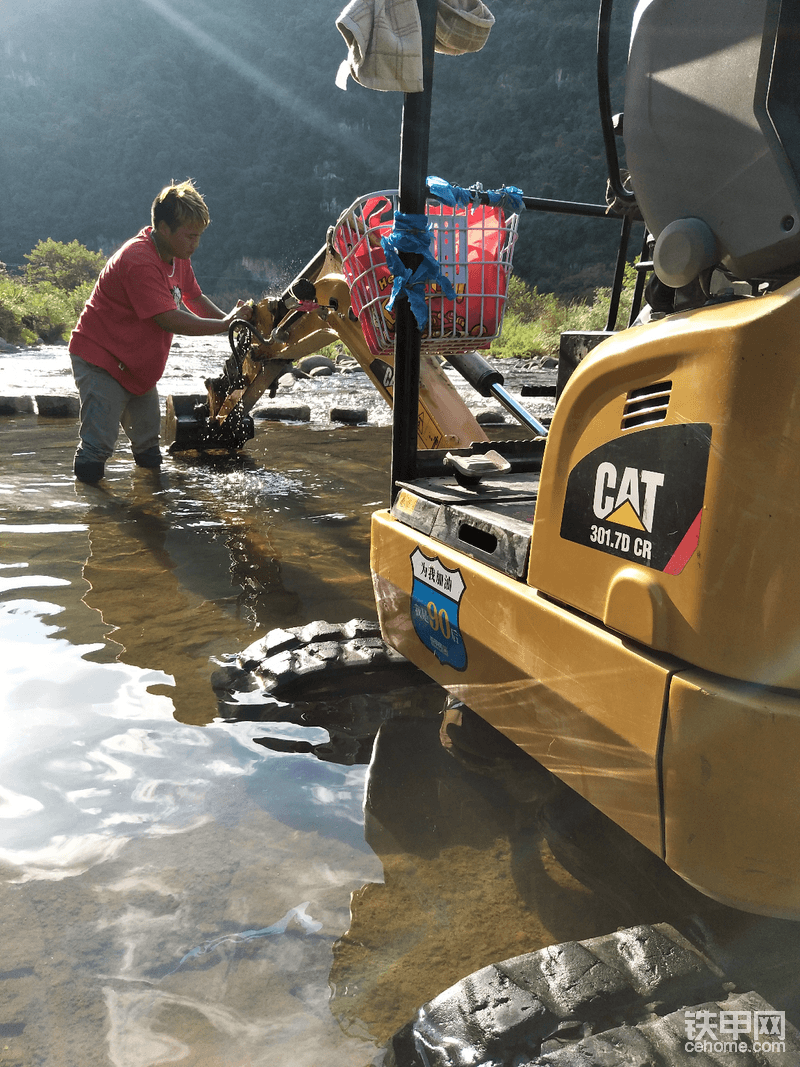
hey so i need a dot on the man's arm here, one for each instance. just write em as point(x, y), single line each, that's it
point(210, 309)
point(190, 325)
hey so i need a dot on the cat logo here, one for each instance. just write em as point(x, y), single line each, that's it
point(629, 499)
point(640, 497)
point(384, 374)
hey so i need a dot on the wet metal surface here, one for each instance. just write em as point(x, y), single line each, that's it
point(172, 891)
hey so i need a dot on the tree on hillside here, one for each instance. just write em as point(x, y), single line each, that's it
point(66, 266)
point(90, 135)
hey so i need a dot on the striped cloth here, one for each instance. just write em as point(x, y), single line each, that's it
point(384, 40)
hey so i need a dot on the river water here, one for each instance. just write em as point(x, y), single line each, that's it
point(174, 892)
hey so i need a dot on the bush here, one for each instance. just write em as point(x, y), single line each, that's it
point(48, 312)
point(66, 266)
point(534, 321)
point(11, 310)
point(48, 299)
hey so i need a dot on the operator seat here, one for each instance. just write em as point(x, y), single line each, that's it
point(712, 135)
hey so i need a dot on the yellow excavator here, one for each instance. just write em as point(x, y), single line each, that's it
point(616, 593)
point(625, 614)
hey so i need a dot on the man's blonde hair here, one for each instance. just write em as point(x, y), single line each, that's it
point(179, 204)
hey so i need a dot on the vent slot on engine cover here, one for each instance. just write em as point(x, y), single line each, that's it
point(646, 406)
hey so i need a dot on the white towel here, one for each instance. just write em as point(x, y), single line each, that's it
point(462, 26)
point(384, 39)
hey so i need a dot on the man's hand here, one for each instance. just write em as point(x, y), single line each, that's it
point(243, 310)
point(185, 322)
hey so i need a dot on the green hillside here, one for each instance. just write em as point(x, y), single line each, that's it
point(102, 103)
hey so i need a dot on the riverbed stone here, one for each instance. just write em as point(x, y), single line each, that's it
point(278, 412)
point(16, 405)
point(58, 407)
point(489, 417)
point(292, 375)
point(348, 415)
point(308, 364)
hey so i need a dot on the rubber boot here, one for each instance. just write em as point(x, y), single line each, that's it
point(151, 457)
point(89, 470)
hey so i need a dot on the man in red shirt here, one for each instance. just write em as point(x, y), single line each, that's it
point(146, 293)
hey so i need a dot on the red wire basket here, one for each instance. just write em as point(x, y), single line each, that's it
point(474, 246)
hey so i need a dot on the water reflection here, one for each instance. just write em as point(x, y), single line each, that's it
point(223, 542)
point(161, 579)
point(486, 856)
point(337, 711)
point(465, 879)
point(175, 885)
point(129, 840)
point(154, 900)
point(351, 723)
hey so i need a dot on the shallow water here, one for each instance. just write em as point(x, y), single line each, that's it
point(171, 891)
point(45, 369)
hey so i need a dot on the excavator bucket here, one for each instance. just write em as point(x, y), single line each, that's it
point(189, 428)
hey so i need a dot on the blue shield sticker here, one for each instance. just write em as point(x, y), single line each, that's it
point(436, 594)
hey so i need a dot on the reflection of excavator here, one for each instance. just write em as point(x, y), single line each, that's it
point(625, 614)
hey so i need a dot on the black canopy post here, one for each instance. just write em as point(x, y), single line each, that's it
point(619, 273)
point(414, 139)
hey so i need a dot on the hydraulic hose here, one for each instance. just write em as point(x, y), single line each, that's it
point(623, 195)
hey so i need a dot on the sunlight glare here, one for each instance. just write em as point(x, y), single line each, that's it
point(269, 86)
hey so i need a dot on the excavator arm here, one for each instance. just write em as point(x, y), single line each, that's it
point(312, 312)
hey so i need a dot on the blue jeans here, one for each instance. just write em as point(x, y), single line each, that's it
point(105, 406)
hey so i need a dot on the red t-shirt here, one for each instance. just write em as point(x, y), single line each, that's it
point(116, 330)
